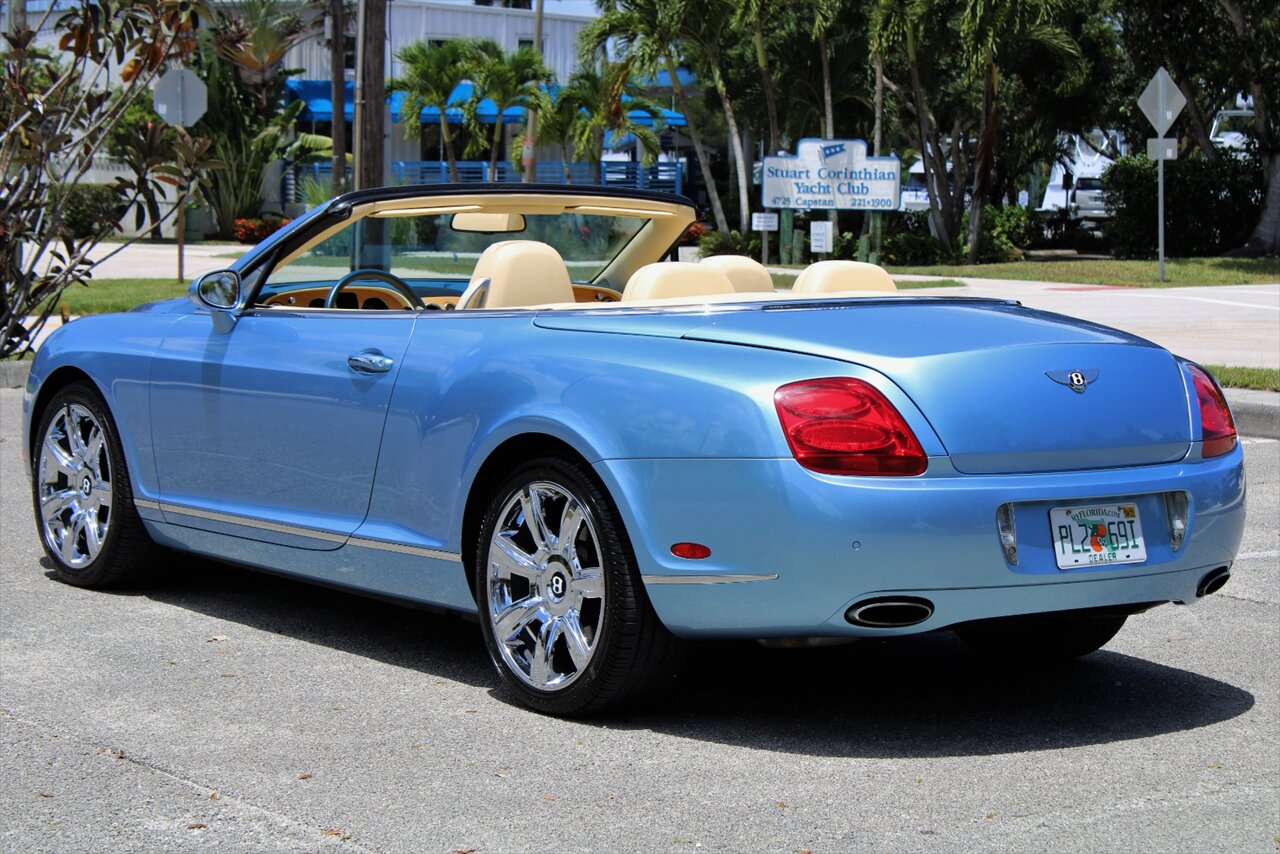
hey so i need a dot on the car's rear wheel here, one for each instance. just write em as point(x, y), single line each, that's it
point(562, 608)
point(84, 507)
point(1041, 637)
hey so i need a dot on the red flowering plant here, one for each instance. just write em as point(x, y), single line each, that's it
point(693, 234)
point(257, 230)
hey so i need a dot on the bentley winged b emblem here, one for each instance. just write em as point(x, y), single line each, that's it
point(1077, 380)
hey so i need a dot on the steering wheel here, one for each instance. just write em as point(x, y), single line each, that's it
point(400, 286)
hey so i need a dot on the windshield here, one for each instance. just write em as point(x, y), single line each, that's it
point(434, 258)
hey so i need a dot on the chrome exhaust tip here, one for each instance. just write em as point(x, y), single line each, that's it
point(890, 612)
point(1213, 582)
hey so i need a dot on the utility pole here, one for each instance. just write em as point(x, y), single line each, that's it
point(371, 95)
point(338, 93)
point(529, 156)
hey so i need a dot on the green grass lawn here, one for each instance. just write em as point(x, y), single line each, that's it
point(1263, 379)
point(101, 296)
point(1181, 272)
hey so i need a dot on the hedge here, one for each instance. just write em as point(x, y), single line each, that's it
point(1209, 207)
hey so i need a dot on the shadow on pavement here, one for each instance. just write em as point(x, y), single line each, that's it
point(906, 697)
point(927, 696)
point(431, 642)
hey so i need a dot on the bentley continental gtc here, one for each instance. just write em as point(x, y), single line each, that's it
point(507, 401)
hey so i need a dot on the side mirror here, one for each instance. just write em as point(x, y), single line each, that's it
point(219, 291)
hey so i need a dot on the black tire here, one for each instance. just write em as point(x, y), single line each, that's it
point(630, 650)
point(123, 547)
point(1041, 638)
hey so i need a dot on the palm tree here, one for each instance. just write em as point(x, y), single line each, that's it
point(750, 16)
point(899, 25)
point(649, 33)
point(605, 103)
point(431, 73)
point(988, 28)
point(254, 36)
point(509, 80)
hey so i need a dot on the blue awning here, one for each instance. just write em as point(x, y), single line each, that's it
point(319, 106)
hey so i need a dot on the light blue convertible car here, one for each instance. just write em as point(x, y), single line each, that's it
point(500, 400)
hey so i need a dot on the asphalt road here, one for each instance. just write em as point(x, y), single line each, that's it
point(224, 710)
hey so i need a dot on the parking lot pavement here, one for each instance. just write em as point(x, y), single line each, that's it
point(218, 709)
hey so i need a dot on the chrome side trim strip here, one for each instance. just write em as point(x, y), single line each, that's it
point(401, 548)
point(705, 579)
point(146, 504)
point(248, 522)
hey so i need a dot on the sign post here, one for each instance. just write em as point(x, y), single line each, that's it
point(181, 98)
point(820, 236)
point(1161, 102)
point(764, 223)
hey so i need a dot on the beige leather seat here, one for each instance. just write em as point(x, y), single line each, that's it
point(747, 275)
point(675, 279)
point(827, 277)
point(517, 273)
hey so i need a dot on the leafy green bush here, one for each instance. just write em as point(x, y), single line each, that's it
point(908, 249)
point(91, 209)
point(733, 243)
point(1018, 226)
point(1209, 207)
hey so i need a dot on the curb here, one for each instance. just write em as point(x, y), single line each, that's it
point(1257, 413)
point(14, 374)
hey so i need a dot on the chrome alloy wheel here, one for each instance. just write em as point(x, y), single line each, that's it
point(73, 482)
point(546, 587)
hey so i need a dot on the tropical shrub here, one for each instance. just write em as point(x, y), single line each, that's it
point(88, 210)
point(733, 243)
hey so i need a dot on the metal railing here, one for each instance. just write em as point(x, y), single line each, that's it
point(668, 177)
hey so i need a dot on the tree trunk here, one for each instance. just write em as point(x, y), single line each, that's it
point(338, 95)
point(766, 82)
point(373, 80)
point(699, 150)
point(1266, 234)
point(829, 124)
point(988, 135)
point(930, 153)
point(1199, 127)
point(744, 168)
point(493, 150)
point(447, 138)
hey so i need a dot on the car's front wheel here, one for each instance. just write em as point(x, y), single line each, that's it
point(1041, 638)
point(562, 608)
point(83, 500)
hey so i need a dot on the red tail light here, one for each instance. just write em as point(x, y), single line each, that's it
point(845, 426)
point(1216, 424)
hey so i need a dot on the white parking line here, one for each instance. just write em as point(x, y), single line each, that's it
point(1267, 555)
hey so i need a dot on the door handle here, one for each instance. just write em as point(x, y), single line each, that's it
point(370, 363)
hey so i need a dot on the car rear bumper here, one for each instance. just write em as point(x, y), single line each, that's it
point(793, 551)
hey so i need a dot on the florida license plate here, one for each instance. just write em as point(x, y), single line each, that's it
point(1097, 534)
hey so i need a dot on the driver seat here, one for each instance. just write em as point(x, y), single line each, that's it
point(516, 274)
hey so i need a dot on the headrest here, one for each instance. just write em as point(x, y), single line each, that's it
point(675, 279)
point(747, 275)
point(826, 277)
point(517, 273)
